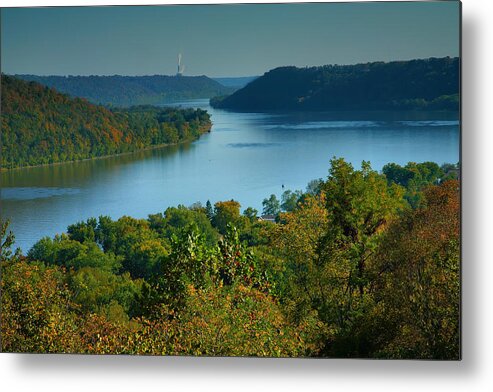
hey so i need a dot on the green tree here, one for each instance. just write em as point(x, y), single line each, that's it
point(209, 211)
point(397, 174)
point(135, 243)
point(314, 186)
point(289, 200)
point(238, 264)
point(360, 204)
point(97, 291)
point(69, 253)
point(226, 212)
point(7, 240)
point(251, 214)
point(271, 205)
point(296, 242)
point(414, 177)
point(83, 231)
point(177, 218)
point(190, 262)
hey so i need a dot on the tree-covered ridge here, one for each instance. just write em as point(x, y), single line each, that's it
point(350, 269)
point(120, 90)
point(417, 84)
point(41, 126)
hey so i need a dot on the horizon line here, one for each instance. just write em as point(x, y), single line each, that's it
point(242, 76)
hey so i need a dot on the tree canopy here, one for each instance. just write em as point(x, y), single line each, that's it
point(416, 84)
point(351, 269)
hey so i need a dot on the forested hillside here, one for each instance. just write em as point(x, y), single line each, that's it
point(41, 125)
point(361, 264)
point(418, 84)
point(119, 90)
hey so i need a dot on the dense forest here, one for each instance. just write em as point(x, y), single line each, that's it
point(125, 91)
point(41, 126)
point(418, 84)
point(360, 264)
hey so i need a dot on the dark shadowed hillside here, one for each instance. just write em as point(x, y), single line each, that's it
point(417, 84)
point(133, 90)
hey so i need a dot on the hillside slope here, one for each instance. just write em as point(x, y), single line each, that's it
point(235, 82)
point(132, 90)
point(416, 84)
point(41, 125)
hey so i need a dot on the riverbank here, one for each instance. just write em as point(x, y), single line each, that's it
point(205, 129)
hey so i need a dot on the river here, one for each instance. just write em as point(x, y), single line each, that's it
point(246, 157)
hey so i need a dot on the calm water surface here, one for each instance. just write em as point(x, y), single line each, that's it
point(247, 156)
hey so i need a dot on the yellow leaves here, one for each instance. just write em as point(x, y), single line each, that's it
point(297, 237)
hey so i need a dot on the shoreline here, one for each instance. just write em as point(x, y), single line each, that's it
point(148, 148)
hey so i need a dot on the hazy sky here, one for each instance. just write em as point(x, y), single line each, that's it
point(222, 40)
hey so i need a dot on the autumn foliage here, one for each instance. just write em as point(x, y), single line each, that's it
point(41, 126)
point(353, 270)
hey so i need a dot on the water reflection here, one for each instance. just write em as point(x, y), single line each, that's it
point(68, 174)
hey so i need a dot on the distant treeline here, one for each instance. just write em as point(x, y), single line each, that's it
point(119, 90)
point(41, 126)
point(417, 84)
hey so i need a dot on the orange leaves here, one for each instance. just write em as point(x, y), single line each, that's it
point(116, 134)
point(419, 282)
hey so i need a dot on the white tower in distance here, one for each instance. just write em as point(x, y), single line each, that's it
point(181, 67)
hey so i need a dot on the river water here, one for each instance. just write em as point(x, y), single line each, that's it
point(246, 157)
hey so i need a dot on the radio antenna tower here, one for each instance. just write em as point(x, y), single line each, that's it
point(181, 67)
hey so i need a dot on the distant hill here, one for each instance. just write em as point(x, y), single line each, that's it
point(41, 125)
point(417, 84)
point(238, 82)
point(132, 90)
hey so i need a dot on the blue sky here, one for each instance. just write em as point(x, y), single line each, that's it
point(222, 40)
